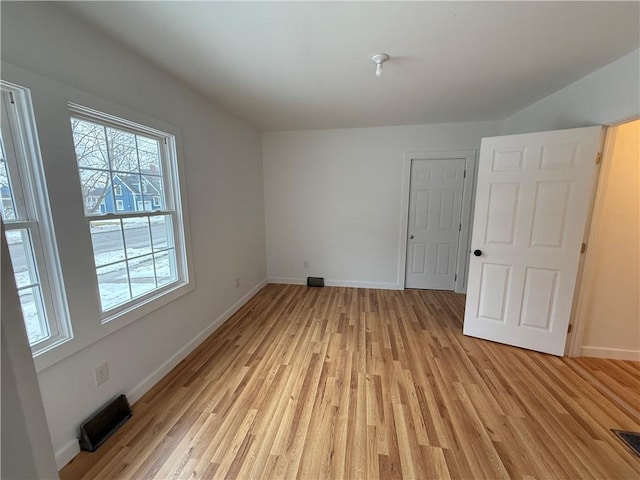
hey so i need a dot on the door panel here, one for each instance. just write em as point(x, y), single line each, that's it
point(435, 206)
point(532, 201)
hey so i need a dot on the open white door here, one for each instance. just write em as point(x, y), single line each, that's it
point(532, 201)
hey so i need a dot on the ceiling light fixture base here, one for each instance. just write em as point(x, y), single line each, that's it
point(379, 59)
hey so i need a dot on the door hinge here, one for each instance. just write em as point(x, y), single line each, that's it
point(455, 277)
point(460, 227)
point(583, 248)
point(570, 328)
point(599, 158)
point(11, 98)
point(464, 175)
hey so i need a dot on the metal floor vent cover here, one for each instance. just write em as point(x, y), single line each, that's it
point(101, 425)
point(315, 281)
point(631, 439)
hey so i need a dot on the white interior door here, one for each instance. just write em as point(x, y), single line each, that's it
point(532, 200)
point(435, 206)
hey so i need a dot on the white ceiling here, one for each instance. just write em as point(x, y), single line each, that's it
point(291, 66)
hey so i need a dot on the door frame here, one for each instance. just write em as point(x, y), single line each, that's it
point(574, 345)
point(468, 194)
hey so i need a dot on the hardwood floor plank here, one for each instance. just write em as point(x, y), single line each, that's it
point(345, 383)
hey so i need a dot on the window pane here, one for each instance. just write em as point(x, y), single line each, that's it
point(96, 191)
point(166, 271)
point(153, 192)
point(6, 195)
point(90, 144)
point(161, 232)
point(136, 236)
point(21, 251)
point(148, 145)
point(142, 275)
point(149, 155)
point(122, 150)
point(113, 283)
point(108, 246)
point(33, 312)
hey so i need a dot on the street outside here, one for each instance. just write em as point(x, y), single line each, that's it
point(150, 264)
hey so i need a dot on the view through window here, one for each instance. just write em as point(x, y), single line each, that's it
point(129, 196)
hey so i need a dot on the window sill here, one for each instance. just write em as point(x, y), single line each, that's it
point(109, 325)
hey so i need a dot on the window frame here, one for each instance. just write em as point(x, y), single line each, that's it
point(31, 197)
point(173, 189)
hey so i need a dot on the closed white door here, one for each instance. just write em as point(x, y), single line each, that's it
point(435, 206)
point(532, 202)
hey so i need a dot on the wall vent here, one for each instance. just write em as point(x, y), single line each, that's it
point(101, 425)
point(315, 281)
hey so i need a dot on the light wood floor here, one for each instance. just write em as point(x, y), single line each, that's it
point(343, 383)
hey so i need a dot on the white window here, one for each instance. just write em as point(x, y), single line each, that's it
point(28, 226)
point(156, 201)
point(138, 255)
point(119, 205)
point(117, 190)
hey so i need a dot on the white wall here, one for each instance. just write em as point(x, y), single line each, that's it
point(58, 58)
point(333, 198)
point(605, 96)
point(610, 291)
point(26, 448)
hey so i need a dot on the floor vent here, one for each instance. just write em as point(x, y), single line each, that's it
point(315, 281)
point(631, 439)
point(96, 429)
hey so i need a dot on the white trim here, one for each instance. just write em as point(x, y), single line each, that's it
point(71, 449)
point(338, 283)
point(586, 269)
point(467, 200)
point(612, 353)
point(33, 193)
point(66, 453)
point(145, 385)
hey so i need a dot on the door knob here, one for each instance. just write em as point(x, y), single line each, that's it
point(477, 253)
point(411, 237)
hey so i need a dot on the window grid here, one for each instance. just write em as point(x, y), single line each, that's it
point(32, 251)
point(151, 196)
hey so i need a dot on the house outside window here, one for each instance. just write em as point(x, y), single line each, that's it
point(117, 190)
point(139, 251)
point(28, 225)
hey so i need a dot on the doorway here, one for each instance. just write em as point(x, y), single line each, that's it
point(607, 307)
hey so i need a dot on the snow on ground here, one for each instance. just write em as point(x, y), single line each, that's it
point(113, 280)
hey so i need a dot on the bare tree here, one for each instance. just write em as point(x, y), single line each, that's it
point(101, 150)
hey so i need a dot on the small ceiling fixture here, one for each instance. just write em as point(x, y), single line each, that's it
point(379, 59)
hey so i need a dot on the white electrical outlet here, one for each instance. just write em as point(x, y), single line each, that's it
point(237, 282)
point(306, 264)
point(102, 373)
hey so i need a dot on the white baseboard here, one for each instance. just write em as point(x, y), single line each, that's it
point(338, 283)
point(145, 385)
point(66, 453)
point(71, 449)
point(612, 353)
